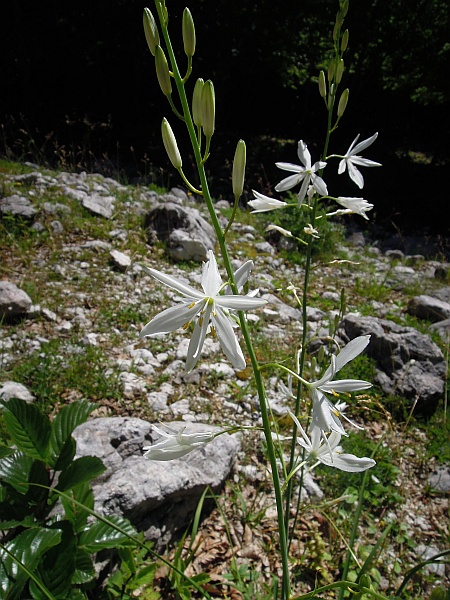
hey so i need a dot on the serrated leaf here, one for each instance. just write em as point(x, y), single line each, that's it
point(28, 427)
point(82, 493)
point(63, 425)
point(101, 535)
point(81, 470)
point(26, 549)
point(84, 567)
point(15, 470)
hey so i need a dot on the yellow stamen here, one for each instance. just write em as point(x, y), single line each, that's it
point(186, 325)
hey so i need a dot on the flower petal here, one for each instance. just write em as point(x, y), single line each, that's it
point(364, 144)
point(355, 175)
point(319, 185)
point(289, 182)
point(284, 166)
point(234, 302)
point(345, 385)
point(351, 350)
point(228, 340)
point(304, 154)
point(175, 284)
point(211, 279)
point(347, 462)
point(172, 318)
point(197, 339)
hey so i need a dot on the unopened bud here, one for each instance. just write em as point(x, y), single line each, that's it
point(321, 355)
point(342, 102)
point(339, 70)
point(208, 108)
point(239, 169)
point(344, 8)
point(188, 33)
point(170, 144)
point(197, 102)
point(150, 30)
point(365, 581)
point(162, 71)
point(322, 84)
point(344, 41)
point(331, 69)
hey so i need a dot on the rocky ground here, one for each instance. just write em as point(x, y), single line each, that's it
point(74, 297)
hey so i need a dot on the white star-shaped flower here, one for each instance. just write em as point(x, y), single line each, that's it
point(177, 444)
point(351, 160)
point(207, 308)
point(351, 205)
point(327, 450)
point(306, 174)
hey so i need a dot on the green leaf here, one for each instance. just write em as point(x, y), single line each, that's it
point(84, 567)
point(63, 425)
point(57, 565)
point(61, 462)
point(101, 535)
point(28, 427)
point(81, 470)
point(82, 493)
point(24, 551)
point(15, 470)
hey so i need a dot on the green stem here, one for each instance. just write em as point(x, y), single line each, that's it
point(285, 592)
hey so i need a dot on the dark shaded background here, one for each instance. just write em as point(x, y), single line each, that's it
point(79, 91)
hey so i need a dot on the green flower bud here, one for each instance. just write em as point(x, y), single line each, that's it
point(239, 168)
point(339, 70)
point(344, 41)
point(162, 71)
point(188, 33)
point(331, 69)
point(150, 30)
point(344, 8)
point(170, 144)
point(365, 581)
point(342, 102)
point(208, 108)
point(322, 84)
point(197, 102)
point(321, 355)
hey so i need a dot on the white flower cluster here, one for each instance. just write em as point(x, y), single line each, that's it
point(307, 174)
point(326, 430)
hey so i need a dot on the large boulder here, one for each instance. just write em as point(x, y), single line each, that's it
point(187, 235)
point(409, 363)
point(159, 498)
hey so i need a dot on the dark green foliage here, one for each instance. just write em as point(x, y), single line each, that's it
point(42, 554)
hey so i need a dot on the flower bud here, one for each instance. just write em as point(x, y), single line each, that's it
point(162, 71)
point(344, 41)
point(331, 69)
point(339, 70)
point(188, 33)
point(170, 144)
point(208, 106)
point(197, 102)
point(150, 30)
point(342, 102)
point(239, 168)
point(322, 84)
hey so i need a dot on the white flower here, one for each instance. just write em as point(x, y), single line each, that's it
point(325, 414)
point(263, 203)
point(203, 308)
point(351, 159)
point(306, 174)
point(284, 232)
point(310, 230)
point(327, 450)
point(176, 445)
point(357, 206)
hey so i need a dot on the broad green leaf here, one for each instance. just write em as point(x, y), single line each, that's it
point(5, 451)
point(57, 566)
point(15, 470)
point(101, 535)
point(28, 427)
point(28, 521)
point(63, 425)
point(25, 549)
point(84, 567)
point(68, 451)
point(82, 493)
point(145, 575)
point(81, 470)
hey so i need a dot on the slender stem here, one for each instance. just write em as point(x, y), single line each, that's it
point(285, 592)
